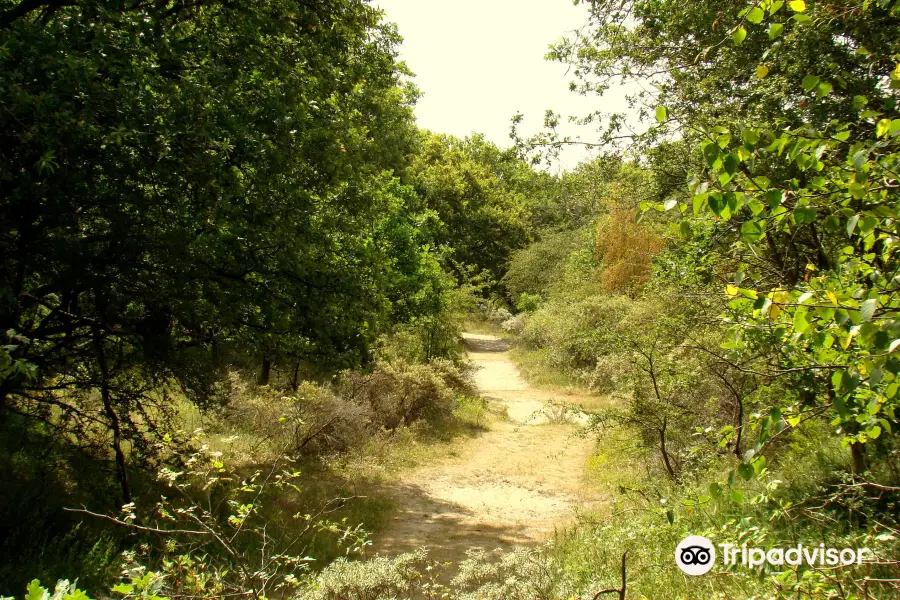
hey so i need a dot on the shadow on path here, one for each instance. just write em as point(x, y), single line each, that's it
point(474, 343)
point(447, 528)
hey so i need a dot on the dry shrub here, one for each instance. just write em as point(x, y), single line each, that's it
point(399, 577)
point(514, 325)
point(626, 249)
point(318, 419)
point(311, 420)
point(399, 393)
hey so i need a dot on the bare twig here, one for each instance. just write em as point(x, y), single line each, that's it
point(135, 526)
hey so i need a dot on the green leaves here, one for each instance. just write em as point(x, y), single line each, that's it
point(123, 588)
point(804, 214)
point(752, 231)
point(730, 164)
point(711, 153)
point(886, 127)
point(774, 198)
point(36, 592)
point(227, 181)
point(867, 309)
point(661, 114)
point(823, 89)
point(810, 82)
point(755, 15)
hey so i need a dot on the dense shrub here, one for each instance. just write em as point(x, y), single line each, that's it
point(533, 270)
point(376, 579)
point(64, 590)
point(514, 324)
point(521, 573)
point(577, 331)
point(528, 302)
point(311, 420)
point(320, 418)
point(400, 393)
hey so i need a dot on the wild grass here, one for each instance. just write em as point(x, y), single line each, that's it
point(475, 324)
point(533, 366)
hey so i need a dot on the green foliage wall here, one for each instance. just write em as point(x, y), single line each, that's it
point(185, 185)
point(478, 195)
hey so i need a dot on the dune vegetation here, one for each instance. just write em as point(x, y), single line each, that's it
point(236, 279)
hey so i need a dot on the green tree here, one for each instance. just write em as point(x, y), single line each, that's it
point(478, 195)
point(184, 183)
point(792, 110)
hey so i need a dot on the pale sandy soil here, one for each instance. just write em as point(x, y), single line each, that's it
point(511, 485)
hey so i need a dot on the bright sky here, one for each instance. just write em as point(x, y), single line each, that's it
point(479, 62)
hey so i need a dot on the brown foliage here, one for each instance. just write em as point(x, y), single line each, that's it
point(318, 419)
point(626, 249)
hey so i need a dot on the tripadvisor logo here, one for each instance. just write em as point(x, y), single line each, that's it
point(695, 555)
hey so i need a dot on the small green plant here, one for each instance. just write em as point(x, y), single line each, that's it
point(141, 584)
point(211, 534)
point(528, 302)
point(64, 590)
point(471, 411)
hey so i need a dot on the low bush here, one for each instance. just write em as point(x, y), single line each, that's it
point(312, 420)
point(577, 331)
point(535, 269)
point(401, 577)
point(528, 302)
point(319, 419)
point(515, 324)
point(471, 411)
point(399, 393)
point(521, 573)
point(64, 590)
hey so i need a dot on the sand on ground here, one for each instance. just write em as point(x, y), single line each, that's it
point(512, 484)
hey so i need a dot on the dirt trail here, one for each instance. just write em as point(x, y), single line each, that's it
point(510, 485)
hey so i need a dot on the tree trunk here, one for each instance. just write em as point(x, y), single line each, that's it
point(858, 453)
point(115, 424)
point(266, 371)
point(295, 379)
point(665, 453)
point(739, 426)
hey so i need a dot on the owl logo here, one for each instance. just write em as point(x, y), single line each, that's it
point(695, 555)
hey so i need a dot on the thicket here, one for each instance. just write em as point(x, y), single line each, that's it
point(744, 321)
point(221, 215)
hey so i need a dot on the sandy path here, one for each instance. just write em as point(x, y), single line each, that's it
point(510, 485)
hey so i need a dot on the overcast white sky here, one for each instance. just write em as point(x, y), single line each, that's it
point(479, 62)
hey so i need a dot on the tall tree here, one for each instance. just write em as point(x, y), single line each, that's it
point(180, 182)
point(477, 193)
